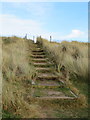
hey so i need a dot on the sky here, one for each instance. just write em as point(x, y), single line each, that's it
point(61, 20)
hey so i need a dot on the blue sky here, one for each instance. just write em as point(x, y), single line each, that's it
point(62, 20)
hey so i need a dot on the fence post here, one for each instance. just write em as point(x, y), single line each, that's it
point(50, 38)
point(26, 36)
point(33, 38)
point(40, 37)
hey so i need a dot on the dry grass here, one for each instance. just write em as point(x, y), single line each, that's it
point(71, 60)
point(72, 55)
point(16, 72)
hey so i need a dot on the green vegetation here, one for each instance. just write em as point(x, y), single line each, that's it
point(6, 114)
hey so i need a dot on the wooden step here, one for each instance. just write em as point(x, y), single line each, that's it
point(56, 98)
point(47, 76)
point(38, 56)
point(38, 53)
point(52, 93)
point(39, 60)
point(42, 64)
point(38, 50)
point(48, 84)
point(44, 69)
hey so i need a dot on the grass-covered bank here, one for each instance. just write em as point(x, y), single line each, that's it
point(16, 72)
point(71, 59)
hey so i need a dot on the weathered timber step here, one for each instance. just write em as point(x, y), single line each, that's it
point(48, 83)
point(38, 56)
point(47, 86)
point(42, 69)
point(42, 64)
point(38, 53)
point(39, 59)
point(60, 92)
point(38, 50)
point(55, 98)
point(47, 76)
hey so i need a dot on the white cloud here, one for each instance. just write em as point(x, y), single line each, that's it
point(74, 34)
point(11, 25)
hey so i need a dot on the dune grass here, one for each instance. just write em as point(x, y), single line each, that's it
point(71, 60)
point(16, 72)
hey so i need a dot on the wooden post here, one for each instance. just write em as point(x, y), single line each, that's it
point(33, 38)
point(26, 36)
point(50, 38)
point(40, 40)
point(40, 37)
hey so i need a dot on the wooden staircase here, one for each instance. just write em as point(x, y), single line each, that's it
point(47, 84)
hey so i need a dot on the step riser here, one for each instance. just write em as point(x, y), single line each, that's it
point(43, 66)
point(45, 71)
point(38, 56)
point(47, 78)
point(51, 87)
point(55, 98)
point(37, 51)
